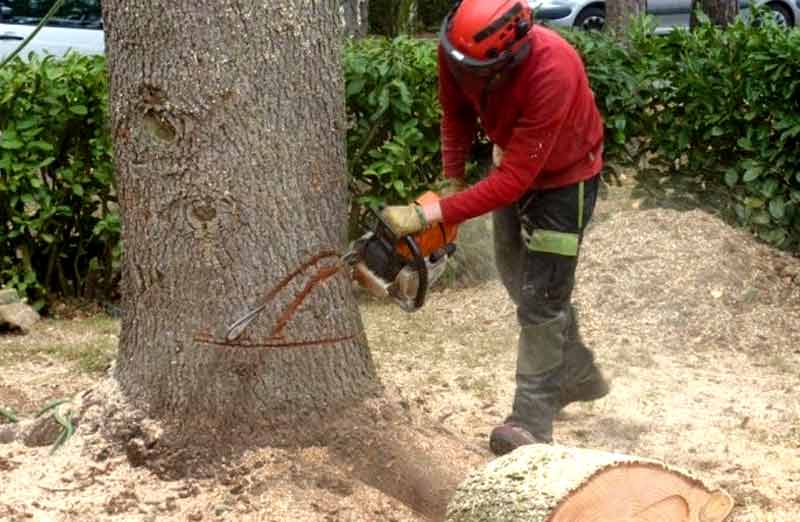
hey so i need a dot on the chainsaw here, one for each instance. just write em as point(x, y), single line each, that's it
point(401, 268)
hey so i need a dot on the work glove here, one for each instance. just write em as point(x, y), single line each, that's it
point(405, 219)
point(452, 186)
point(497, 155)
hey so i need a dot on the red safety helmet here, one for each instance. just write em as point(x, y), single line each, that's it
point(483, 37)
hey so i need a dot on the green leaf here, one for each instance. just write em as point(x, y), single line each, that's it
point(81, 110)
point(47, 161)
point(10, 142)
point(776, 236)
point(745, 143)
point(761, 218)
point(26, 124)
point(770, 187)
point(41, 145)
point(77, 190)
point(355, 86)
point(753, 202)
point(53, 72)
point(731, 177)
point(791, 133)
point(752, 173)
point(777, 208)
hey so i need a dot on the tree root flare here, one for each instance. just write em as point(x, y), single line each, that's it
point(380, 443)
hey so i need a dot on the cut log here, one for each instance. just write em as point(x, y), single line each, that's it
point(545, 483)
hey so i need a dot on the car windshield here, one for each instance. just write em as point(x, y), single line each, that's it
point(74, 13)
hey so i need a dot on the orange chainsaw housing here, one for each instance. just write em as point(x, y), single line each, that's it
point(432, 238)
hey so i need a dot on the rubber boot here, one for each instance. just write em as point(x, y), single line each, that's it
point(537, 397)
point(581, 379)
point(536, 402)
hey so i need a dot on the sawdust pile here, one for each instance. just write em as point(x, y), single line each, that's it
point(686, 281)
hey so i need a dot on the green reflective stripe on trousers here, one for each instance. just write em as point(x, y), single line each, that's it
point(552, 242)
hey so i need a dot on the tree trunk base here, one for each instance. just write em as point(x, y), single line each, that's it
point(381, 442)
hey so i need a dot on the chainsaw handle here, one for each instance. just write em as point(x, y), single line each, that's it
point(422, 271)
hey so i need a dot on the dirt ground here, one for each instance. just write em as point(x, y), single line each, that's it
point(695, 322)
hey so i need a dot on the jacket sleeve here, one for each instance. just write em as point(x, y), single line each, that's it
point(536, 131)
point(459, 122)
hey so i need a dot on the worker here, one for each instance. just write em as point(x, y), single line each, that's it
point(529, 90)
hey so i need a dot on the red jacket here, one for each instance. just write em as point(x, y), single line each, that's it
point(543, 116)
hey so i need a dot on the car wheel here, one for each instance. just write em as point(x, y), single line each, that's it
point(591, 18)
point(781, 15)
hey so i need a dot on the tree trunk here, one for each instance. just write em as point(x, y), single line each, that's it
point(619, 13)
point(393, 17)
point(541, 483)
point(228, 121)
point(355, 16)
point(721, 12)
point(229, 124)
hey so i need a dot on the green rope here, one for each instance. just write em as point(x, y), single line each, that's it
point(51, 405)
point(67, 429)
point(65, 421)
point(47, 17)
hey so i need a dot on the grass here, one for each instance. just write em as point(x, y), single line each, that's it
point(90, 344)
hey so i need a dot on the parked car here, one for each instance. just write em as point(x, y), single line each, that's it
point(668, 14)
point(78, 25)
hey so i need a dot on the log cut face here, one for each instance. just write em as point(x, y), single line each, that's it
point(543, 483)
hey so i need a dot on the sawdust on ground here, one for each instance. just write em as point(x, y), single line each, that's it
point(695, 321)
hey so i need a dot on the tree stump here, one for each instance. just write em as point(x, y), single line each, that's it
point(558, 484)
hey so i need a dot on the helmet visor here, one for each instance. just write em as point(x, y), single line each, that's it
point(461, 63)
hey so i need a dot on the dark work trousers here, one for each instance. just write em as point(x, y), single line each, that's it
point(537, 241)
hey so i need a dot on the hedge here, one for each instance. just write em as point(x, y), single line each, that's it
point(724, 104)
point(60, 227)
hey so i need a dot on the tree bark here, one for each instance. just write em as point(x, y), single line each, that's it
point(619, 13)
point(721, 12)
point(541, 483)
point(355, 17)
point(229, 120)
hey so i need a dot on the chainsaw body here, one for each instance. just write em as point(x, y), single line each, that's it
point(403, 268)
